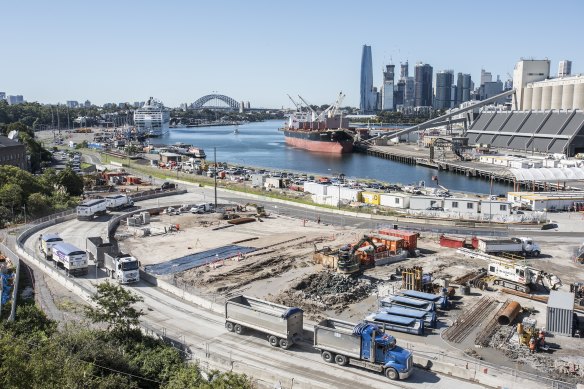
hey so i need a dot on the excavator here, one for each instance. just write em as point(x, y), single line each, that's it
point(350, 262)
point(260, 210)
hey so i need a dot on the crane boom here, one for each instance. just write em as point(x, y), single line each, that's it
point(314, 114)
point(298, 106)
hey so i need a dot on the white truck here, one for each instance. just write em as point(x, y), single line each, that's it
point(122, 267)
point(88, 209)
point(117, 202)
point(47, 241)
point(73, 259)
point(522, 246)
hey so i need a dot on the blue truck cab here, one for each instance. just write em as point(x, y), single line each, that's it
point(365, 345)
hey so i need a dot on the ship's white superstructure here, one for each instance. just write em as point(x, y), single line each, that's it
point(152, 119)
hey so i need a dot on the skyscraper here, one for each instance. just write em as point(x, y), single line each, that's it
point(486, 77)
point(387, 101)
point(404, 70)
point(443, 89)
point(565, 68)
point(423, 85)
point(368, 97)
point(463, 87)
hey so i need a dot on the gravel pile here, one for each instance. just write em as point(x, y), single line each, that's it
point(325, 285)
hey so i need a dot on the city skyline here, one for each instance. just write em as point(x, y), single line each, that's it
point(62, 51)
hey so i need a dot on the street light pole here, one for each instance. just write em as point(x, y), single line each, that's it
point(215, 175)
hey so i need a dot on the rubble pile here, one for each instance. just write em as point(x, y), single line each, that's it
point(554, 367)
point(326, 291)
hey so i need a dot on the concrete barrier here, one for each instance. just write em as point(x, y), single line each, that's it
point(212, 306)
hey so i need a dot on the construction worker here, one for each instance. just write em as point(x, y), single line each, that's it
point(532, 345)
point(318, 220)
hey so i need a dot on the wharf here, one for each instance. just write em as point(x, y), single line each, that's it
point(414, 155)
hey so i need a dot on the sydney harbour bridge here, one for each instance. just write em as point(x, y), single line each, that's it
point(216, 101)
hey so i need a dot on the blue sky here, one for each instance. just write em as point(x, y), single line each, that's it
point(258, 51)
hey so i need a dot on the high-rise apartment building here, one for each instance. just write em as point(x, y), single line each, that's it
point(423, 85)
point(409, 92)
point(486, 77)
point(404, 70)
point(443, 89)
point(12, 100)
point(72, 104)
point(387, 89)
point(368, 98)
point(565, 68)
point(463, 88)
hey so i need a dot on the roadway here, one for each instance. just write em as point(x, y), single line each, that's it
point(204, 333)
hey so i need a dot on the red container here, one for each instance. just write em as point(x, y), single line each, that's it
point(454, 242)
point(410, 238)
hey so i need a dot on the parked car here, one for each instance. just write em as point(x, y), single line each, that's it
point(168, 185)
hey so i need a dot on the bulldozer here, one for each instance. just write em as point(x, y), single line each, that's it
point(350, 261)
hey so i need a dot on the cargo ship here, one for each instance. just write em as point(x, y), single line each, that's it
point(325, 132)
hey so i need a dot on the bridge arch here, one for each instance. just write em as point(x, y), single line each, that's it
point(231, 102)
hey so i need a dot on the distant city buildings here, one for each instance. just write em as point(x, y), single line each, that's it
point(72, 104)
point(368, 96)
point(463, 88)
point(2, 95)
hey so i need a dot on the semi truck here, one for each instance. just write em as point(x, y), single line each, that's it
point(117, 202)
point(88, 209)
point(522, 246)
point(47, 241)
point(364, 345)
point(73, 259)
point(281, 324)
point(122, 267)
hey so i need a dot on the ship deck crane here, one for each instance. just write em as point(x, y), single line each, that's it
point(298, 106)
point(314, 113)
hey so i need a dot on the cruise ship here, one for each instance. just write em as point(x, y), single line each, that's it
point(153, 119)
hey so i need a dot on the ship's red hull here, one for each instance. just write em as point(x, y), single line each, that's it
point(340, 147)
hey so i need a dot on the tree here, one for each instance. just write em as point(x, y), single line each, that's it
point(38, 204)
point(72, 182)
point(5, 216)
point(115, 308)
point(11, 196)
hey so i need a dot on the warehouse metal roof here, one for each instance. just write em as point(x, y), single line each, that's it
point(549, 174)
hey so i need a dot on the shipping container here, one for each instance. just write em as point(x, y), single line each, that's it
point(371, 197)
point(560, 313)
point(392, 243)
point(410, 238)
point(454, 242)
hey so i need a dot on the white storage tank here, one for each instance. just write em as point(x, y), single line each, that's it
point(567, 96)
point(557, 92)
point(546, 97)
point(527, 96)
point(578, 96)
point(536, 99)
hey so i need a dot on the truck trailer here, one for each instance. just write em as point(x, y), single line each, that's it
point(364, 345)
point(47, 241)
point(520, 246)
point(73, 259)
point(117, 202)
point(122, 267)
point(88, 209)
point(281, 324)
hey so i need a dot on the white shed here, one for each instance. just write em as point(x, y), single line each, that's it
point(395, 200)
point(425, 202)
point(345, 193)
point(496, 207)
point(315, 188)
point(462, 205)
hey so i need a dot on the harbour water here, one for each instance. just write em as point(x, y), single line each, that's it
point(262, 145)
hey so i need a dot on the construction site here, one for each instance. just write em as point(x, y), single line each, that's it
point(514, 302)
